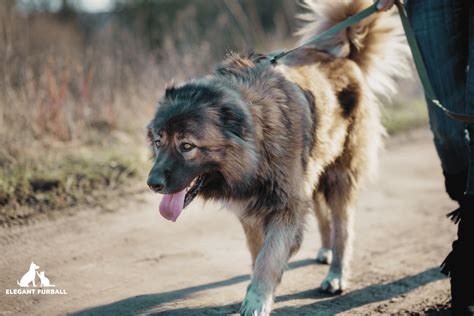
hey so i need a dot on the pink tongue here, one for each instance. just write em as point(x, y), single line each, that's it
point(172, 205)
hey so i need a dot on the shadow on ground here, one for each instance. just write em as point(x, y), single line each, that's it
point(334, 304)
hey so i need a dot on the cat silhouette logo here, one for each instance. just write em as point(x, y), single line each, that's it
point(29, 279)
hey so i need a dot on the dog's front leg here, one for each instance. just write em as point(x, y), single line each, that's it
point(282, 238)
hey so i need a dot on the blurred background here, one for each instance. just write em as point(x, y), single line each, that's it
point(79, 80)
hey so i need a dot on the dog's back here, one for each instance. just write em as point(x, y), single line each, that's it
point(349, 75)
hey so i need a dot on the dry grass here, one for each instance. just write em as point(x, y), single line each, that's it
point(405, 115)
point(61, 180)
point(60, 98)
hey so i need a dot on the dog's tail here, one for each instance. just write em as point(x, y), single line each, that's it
point(377, 44)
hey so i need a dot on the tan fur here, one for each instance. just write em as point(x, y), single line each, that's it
point(254, 232)
point(376, 45)
point(310, 135)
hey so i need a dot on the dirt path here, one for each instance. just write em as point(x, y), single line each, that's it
point(133, 262)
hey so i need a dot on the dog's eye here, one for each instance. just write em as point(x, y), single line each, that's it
point(185, 147)
point(157, 143)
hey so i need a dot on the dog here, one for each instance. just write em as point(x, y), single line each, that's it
point(29, 276)
point(44, 280)
point(280, 140)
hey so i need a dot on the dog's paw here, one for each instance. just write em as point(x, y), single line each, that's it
point(334, 283)
point(324, 256)
point(255, 305)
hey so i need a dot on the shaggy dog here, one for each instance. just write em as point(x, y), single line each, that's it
point(277, 141)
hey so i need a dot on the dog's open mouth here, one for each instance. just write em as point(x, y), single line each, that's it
point(172, 205)
point(193, 190)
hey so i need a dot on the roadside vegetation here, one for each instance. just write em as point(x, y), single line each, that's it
point(404, 114)
point(77, 89)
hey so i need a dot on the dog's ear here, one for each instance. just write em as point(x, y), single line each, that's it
point(170, 92)
point(233, 120)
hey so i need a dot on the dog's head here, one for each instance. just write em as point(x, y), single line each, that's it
point(33, 266)
point(200, 132)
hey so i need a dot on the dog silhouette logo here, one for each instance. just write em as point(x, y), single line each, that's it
point(28, 284)
point(30, 277)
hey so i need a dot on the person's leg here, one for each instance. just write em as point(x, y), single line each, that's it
point(462, 281)
point(441, 33)
point(469, 94)
point(470, 74)
point(459, 264)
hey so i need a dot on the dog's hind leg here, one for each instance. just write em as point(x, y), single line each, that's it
point(323, 218)
point(340, 191)
point(283, 233)
point(254, 234)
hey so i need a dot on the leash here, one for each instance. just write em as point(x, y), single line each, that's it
point(415, 50)
point(331, 31)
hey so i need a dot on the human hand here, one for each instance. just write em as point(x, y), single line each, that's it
point(384, 5)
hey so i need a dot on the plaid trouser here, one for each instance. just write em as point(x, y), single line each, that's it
point(444, 30)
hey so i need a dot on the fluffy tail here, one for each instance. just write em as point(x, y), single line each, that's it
point(377, 44)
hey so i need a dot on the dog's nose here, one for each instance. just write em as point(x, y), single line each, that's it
point(156, 185)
